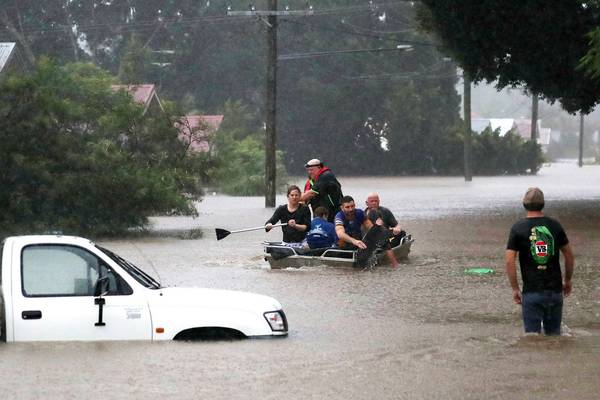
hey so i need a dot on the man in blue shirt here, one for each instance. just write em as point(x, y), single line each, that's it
point(349, 223)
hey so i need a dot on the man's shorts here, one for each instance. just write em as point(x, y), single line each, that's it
point(542, 309)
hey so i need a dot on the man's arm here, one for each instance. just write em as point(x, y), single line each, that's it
point(342, 235)
point(307, 196)
point(569, 268)
point(510, 257)
point(391, 221)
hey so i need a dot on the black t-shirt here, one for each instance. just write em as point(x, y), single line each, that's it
point(538, 241)
point(302, 217)
point(385, 214)
point(328, 193)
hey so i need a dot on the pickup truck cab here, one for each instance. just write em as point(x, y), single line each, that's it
point(62, 288)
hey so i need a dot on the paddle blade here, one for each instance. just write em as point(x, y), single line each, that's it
point(222, 233)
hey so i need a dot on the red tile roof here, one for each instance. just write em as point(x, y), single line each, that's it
point(196, 129)
point(142, 94)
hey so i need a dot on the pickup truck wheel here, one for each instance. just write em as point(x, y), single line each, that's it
point(210, 333)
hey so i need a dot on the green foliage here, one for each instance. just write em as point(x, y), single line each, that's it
point(135, 64)
point(591, 61)
point(536, 44)
point(509, 154)
point(339, 107)
point(239, 163)
point(79, 158)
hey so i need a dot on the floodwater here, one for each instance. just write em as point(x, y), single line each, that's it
point(423, 331)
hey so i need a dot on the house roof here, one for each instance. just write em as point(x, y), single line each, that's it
point(196, 129)
point(6, 52)
point(479, 124)
point(142, 94)
point(213, 122)
point(504, 124)
point(523, 127)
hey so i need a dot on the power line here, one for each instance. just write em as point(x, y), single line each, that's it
point(334, 52)
point(193, 21)
point(350, 32)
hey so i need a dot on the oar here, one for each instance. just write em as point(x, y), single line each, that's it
point(223, 233)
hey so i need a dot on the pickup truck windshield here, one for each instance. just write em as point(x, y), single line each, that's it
point(136, 273)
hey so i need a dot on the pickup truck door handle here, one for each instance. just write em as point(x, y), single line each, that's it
point(31, 314)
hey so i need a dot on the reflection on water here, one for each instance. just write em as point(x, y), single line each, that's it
point(424, 331)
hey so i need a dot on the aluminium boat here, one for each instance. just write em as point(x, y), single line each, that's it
point(280, 255)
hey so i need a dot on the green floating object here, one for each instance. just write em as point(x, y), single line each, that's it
point(479, 271)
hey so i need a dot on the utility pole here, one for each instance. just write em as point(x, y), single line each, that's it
point(271, 108)
point(580, 139)
point(468, 131)
point(534, 117)
point(271, 91)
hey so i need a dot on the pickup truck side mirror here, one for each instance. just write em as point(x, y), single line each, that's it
point(100, 289)
point(101, 286)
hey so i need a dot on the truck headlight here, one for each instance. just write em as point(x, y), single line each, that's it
point(277, 321)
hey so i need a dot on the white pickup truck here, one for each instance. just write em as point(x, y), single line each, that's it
point(60, 288)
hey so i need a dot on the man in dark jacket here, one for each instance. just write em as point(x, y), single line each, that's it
point(538, 239)
point(322, 189)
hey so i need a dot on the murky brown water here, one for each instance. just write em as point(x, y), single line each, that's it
point(425, 331)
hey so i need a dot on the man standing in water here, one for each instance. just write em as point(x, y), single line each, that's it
point(538, 239)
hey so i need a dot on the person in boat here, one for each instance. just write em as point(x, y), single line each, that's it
point(383, 216)
point(349, 224)
point(322, 188)
point(322, 232)
point(296, 215)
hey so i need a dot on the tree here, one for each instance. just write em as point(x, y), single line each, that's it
point(80, 158)
point(134, 66)
point(535, 44)
point(240, 154)
point(367, 112)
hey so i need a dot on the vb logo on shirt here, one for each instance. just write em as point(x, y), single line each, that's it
point(541, 249)
point(542, 244)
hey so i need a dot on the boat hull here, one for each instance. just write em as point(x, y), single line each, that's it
point(280, 256)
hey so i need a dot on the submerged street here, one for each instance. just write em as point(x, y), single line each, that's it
point(423, 331)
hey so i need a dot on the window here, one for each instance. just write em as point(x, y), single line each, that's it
point(58, 270)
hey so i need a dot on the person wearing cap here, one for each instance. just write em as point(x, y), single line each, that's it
point(538, 239)
point(322, 189)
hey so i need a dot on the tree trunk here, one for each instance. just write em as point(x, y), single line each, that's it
point(581, 139)
point(70, 32)
point(534, 117)
point(468, 131)
point(19, 38)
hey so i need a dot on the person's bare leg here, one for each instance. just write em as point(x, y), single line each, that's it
point(392, 258)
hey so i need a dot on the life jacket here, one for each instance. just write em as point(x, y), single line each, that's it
point(309, 183)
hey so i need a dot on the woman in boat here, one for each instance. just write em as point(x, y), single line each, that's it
point(296, 215)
